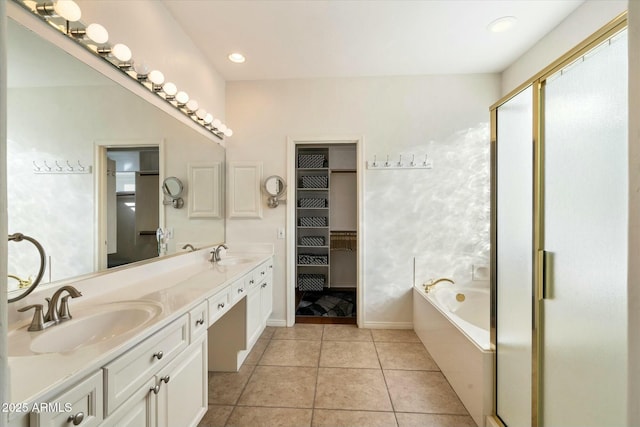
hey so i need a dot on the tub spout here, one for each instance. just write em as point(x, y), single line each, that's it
point(432, 283)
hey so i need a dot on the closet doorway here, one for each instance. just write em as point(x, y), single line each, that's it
point(324, 250)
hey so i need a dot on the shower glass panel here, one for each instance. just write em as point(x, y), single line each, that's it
point(585, 238)
point(514, 171)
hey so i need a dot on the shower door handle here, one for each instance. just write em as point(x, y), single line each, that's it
point(543, 272)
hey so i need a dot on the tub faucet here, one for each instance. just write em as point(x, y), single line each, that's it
point(215, 254)
point(432, 283)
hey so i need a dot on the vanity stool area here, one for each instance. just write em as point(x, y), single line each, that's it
point(187, 316)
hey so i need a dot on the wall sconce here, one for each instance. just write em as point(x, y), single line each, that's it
point(275, 187)
point(172, 188)
point(94, 38)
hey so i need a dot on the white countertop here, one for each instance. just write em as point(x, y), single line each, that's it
point(35, 378)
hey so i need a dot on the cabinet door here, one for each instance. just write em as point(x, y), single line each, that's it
point(182, 399)
point(254, 319)
point(138, 411)
point(266, 299)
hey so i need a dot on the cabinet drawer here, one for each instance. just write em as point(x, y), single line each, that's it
point(250, 280)
point(218, 305)
point(130, 371)
point(238, 290)
point(260, 273)
point(83, 401)
point(198, 321)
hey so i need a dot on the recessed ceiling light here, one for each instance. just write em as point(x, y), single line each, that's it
point(238, 58)
point(502, 24)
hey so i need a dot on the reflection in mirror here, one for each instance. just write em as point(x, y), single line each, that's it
point(23, 286)
point(275, 187)
point(63, 117)
point(172, 188)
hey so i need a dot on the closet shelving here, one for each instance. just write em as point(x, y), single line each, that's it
point(312, 218)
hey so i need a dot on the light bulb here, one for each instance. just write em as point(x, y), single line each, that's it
point(182, 98)
point(228, 132)
point(142, 69)
point(201, 113)
point(97, 33)
point(192, 105)
point(216, 123)
point(222, 128)
point(121, 52)
point(67, 9)
point(156, 77)
point(236, 57)
point(170, 89)
point(208, 118)
point(502, 24)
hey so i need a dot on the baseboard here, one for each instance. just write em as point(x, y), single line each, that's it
point(278, 323)
point(387, 325)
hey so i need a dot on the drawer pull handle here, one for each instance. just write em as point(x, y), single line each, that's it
point(251, 281)
point(220, 306)
point(165, 379)
point(155, 389)
point(199, 322)
point(158, 355)
point(271, 266)
point(262, 273)
point(264, 285)
point(76, 419)
point(241, 290)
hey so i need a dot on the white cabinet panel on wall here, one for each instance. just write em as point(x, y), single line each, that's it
point(244, 190)
point(205, 196)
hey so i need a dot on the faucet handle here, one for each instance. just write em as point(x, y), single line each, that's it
point(52, 312)
point(37, 323)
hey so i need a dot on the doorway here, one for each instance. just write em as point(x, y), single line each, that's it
point(324, 249)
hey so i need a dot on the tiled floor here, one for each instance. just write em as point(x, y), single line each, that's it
point(335, 375)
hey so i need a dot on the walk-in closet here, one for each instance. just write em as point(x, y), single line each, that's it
point(326, 233)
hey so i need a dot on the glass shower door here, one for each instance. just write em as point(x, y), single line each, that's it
point(584, 327)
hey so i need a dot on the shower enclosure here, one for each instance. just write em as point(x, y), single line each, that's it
point(560, 189)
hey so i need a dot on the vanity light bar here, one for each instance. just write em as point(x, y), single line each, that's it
point(60, 13)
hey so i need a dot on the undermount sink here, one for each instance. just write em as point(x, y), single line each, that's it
point(234, 261)
point(92, 326)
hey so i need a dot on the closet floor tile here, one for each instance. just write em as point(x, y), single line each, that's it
point(216, 416)
point(269, 417)
point(279, 386)
point(300, 331)
point(291, 353)
point(405, 355)
point(358, 389)
point(346, 333)
point(434, 420)
point(423, 392)
point(333, 418)
point(344, 354)
point(225, 387)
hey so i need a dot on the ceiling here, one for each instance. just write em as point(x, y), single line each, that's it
point(297, 39)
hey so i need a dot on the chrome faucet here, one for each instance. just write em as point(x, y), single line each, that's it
point(215, 254)
point(54, 314)
point(189, 246)
point(432, 283)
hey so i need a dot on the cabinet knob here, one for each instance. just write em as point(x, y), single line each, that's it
point(262, 273)
point(241, 290)
point(264, 285)
point(155, 389)
point(251, 281)
point(165, 379)
point(158, 355)
point(220, 306)
point(199, 322)
point(76, 419)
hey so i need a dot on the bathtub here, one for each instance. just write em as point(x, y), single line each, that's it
point(453, 324)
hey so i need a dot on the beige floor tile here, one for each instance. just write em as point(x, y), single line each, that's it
point(405, 355)
point(268, 332)
point(346, 333)
point(269, 417)
point(358, 389)
point(300, 331)
point(433, 420)
point(225, 387)
point(394, 335)
point(423, 392)
point(344, 354)
point(278, 386)
point(216, 416)
point(291, 353)
point(336, 418)
point(256, 353)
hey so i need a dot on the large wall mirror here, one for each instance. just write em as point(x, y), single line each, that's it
point(86, 159)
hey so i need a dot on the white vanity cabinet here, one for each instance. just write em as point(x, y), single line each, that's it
point(259, 301)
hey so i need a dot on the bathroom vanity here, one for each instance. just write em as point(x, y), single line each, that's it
point(141, 341)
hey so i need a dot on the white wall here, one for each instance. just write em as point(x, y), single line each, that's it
point(153, 35)
point(440, 214)
point(584, 21)
point(634, 215)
